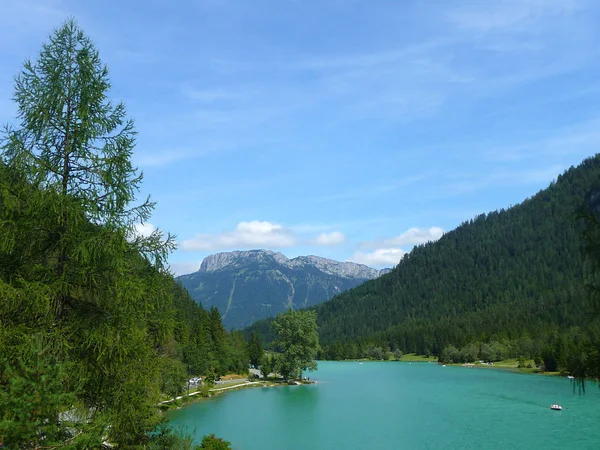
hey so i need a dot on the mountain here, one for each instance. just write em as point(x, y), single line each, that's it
point(249, 285)
point(513, 277)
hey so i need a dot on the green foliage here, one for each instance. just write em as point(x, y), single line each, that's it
point(583, 354)
point(255, 350)
point(378, 354)
point(210, 377)
point(477, 351)
point(268, 365)
point(219, 340)
point(93, 329)
point(298, 341)
point(34, 398)
point(174, 377)
point(211, 442)
point(72, 139)
point(167, 438)
point(237, 350)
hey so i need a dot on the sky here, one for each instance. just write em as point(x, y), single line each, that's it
point(351, 130)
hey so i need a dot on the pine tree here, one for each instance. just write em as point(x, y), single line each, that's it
point(74, 272)
point(255, 349)
point(219, 340)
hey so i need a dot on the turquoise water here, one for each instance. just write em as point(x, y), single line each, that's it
point(402, 406)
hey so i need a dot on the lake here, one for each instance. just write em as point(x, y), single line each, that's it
point(391, 405)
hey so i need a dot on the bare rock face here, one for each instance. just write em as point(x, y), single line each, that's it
point(250, 285)
point(343, 269)
point(347, 269)
point(219, 261)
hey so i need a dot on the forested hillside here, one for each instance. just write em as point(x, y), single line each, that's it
point(511, 275)
point(512, 278)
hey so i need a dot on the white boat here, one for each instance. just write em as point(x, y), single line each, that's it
point(570, 377)
point(556, 407)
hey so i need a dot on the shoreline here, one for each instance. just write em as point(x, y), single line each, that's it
point(193, 397)
point(184, 400)
point(514, 369)
point(508, 364)
point(181, 397)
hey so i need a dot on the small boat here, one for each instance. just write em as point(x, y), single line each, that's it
point(556, 407)
point(570, 377)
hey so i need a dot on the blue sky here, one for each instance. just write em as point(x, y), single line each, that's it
point(346, 129)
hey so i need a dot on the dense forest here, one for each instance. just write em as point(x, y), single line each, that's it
point(505, 284)
point(94, 330)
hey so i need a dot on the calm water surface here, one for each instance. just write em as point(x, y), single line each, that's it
point(402, 406)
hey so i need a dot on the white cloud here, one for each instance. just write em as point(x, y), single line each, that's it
point(415, 236)
point(184, 267)
point(144, 229)
point(380, 257)
point(141, 230)
point(412, 236)
point(333, 238)
point(254, 234)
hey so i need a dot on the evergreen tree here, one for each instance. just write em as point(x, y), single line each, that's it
point(255, 350)
point(219, 340)
point(93, 330)
point(71, 256)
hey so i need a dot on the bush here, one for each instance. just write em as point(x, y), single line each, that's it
point(211, 442)
point(167, 438)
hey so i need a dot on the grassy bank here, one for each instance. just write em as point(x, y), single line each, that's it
point(413, 357)
point(409, 357)
point(509, 364)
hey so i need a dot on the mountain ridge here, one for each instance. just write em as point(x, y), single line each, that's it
point(218, 261)
point(249, 285)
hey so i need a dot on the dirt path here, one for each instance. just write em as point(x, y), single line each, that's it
point(247, 383)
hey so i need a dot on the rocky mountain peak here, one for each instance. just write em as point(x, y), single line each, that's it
point(249, 285)
point(221, 260)
point(345, 269)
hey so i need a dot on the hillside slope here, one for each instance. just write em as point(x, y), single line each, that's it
point(514, 275)
point(249, 285)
